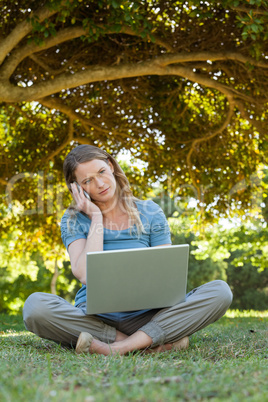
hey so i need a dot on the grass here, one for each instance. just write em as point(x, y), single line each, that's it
point(227, 361)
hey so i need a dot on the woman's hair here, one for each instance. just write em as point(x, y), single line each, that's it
point(87, 153)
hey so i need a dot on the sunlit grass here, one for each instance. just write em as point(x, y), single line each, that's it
point(246, 313)
point(227, 361)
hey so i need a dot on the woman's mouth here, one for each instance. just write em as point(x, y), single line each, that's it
point(104, 191)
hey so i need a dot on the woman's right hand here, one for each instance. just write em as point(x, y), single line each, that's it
point(83, 204)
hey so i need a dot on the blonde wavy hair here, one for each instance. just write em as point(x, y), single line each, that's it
point(86, 153)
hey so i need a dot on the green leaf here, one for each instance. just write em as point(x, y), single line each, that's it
point(128, 17)
point(255, 28)
point(152, 37)
point(193, 13)
point(143, 34)
point(115, 4)
point(116, 27)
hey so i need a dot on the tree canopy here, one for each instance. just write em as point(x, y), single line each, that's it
point(182, 85)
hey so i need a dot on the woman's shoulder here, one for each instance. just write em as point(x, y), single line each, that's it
point(147, 206)
point(71, 214)
point(74, 226)
point(154, 222)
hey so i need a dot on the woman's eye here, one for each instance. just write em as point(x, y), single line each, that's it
point(102, 171)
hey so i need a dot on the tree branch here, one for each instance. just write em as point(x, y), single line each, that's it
point(63, 35)
point(168, 59)
point(51, 103)
point(10, 93)
point(129, 31)
point(188, 73)
point(67, 141)
point(45, 67)
point(21, 30)
point(21, 53)
point(247, 10)
point(86, 123)
point(208, 137)
point(246, 116)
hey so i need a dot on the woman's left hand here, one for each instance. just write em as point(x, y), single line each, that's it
point(83, 204)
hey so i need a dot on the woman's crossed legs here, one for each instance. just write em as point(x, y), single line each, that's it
point(52, 317)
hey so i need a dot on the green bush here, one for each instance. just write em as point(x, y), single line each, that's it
point(200, 271)
point(235, 255)
point(249, 285)
point(14, 292)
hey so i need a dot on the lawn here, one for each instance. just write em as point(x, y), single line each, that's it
point(227, 361)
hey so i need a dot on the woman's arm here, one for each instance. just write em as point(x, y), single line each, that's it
point(94, 242)
point(159, 228)
point(79, 248)
point(162, 245)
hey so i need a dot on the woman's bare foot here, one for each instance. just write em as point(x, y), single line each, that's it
point(159, 349)
point(120, 336)
point(182, 344)
point(101, 348)
point(87, 344)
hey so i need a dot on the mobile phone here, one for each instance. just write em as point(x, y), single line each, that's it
point(85, 193)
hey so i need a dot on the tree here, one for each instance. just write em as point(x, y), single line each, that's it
point(32, 258)
point(181, 85)
point(186, 81)
point(249, 284)
point(200, 270)
point(244, 251)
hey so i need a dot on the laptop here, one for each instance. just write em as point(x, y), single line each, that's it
point(136, 279)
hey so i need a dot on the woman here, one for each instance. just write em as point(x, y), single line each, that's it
point(107, 216)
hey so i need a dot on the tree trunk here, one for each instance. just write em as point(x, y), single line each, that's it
point(53, 285)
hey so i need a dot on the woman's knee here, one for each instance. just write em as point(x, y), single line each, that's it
point(35, 310)
point(224, 293)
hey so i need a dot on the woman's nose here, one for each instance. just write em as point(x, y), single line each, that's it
point(99, 182)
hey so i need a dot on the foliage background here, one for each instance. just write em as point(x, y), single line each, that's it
point(180, 85)
point(237, 255)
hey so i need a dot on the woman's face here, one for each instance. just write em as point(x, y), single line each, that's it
point(97, 179)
